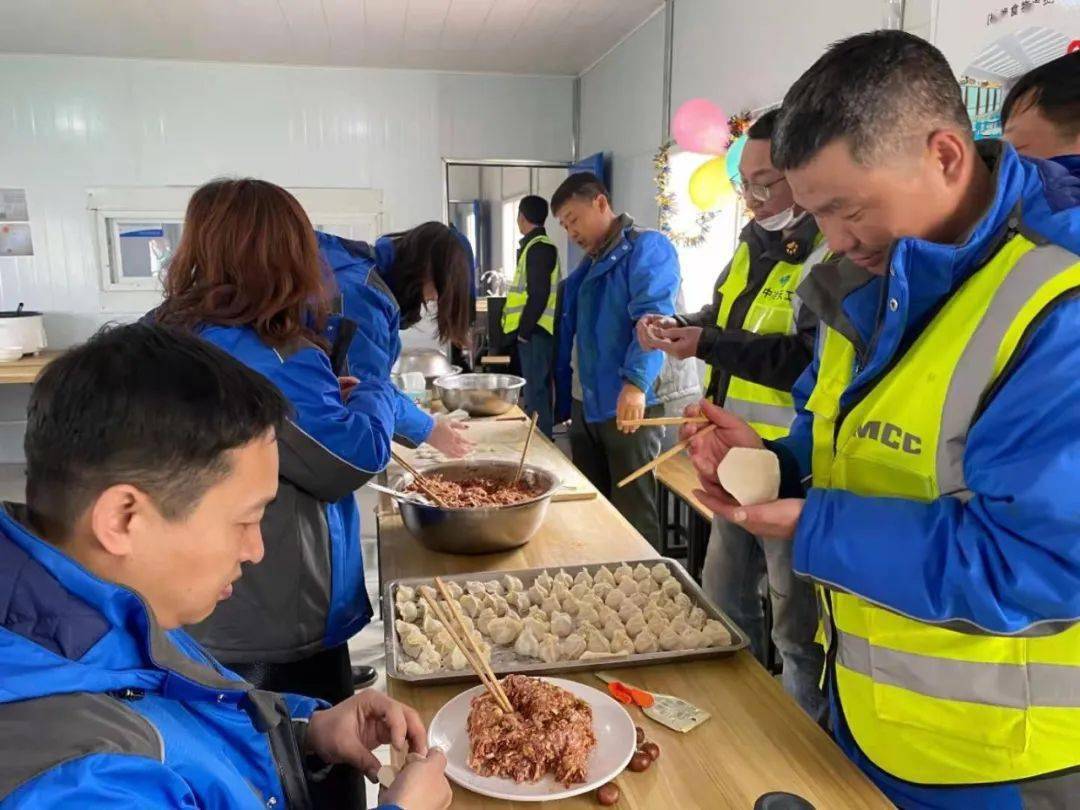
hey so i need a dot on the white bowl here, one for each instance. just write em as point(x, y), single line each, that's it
point(615, 741)
point(9, 354)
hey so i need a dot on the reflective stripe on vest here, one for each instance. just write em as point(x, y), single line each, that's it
point(770, 411)
point(945, 704)
point(519, 292)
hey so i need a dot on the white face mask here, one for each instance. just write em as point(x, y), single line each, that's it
point(777, 222)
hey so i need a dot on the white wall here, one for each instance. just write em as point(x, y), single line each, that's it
point(620, 113)
point(71, 123)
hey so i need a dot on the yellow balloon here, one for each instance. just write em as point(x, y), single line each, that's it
point(710, 185)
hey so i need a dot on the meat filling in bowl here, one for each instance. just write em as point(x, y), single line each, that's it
point(550, 732)
point(474, 492)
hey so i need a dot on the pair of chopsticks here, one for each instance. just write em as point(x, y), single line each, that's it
point(660, 459)
point(665, 420)
point(525, 450)
point(420, 480)
point(464, 641)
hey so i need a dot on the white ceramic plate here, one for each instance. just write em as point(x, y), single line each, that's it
point(612, 726)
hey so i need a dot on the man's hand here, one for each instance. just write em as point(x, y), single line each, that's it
point(349, 731)
point(775, 520)
point(448, 438)
point(631, 406)
point(708, 450)
point(346, 385)
point(421, 784)
point(677, 341)
point(647, 326)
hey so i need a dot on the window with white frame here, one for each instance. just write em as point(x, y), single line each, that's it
point(138, 228)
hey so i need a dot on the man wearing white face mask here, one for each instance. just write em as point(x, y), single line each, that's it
point(757, 339)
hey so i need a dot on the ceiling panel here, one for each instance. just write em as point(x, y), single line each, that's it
point(516, 36)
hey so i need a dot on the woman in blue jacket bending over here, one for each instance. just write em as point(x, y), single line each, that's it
point(384, 288)
point(247, 277)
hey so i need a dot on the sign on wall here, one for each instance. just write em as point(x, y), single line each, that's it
point(992, 43)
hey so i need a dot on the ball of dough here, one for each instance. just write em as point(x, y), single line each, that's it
point(669, 639)
point(505, 630)
point(645, 643)
point(583, 577)
point(561, 624)
point(602, 589)
point(628, 586)
point(550, 650)
point(470, 605)
point(628, 609)
point(614, 599)
point(527, 644)
point(622, 644)
point(573, 646)
point(671, 587)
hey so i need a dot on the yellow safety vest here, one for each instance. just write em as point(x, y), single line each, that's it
point(770, 411)
point(519, 293)
point(934, 704)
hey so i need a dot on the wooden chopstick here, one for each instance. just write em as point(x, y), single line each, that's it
point(500, 695)
point(420, 480)
point(665, 420)
point(510, 419)
point(525, 449)
point(660, 459)
point(474, 662)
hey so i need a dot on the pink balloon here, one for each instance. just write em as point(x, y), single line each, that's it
point(701, 126)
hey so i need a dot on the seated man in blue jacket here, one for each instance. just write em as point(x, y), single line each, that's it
point(151, 457)
point(604, 378)
point(939, 430)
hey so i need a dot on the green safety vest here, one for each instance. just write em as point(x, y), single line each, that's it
point(519, 293)
point(770, 411)
point(927, 703)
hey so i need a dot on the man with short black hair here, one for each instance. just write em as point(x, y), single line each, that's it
point(605, 380)
point(1041, 113)
point(151, 458)
point(528, 317)
point(938, 428)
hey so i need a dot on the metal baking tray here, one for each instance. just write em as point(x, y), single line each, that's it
point(505, 660)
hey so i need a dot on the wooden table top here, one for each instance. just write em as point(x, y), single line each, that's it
point(678, 475)
point(26, 370)
point(758, 740)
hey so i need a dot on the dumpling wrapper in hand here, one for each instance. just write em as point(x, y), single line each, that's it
point(750, 474)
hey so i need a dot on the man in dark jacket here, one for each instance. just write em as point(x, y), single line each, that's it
point(756, 339)
point(151, 458)
point(529, 315)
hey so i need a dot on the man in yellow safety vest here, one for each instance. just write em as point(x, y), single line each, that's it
point(939, 431)
point(528, 317)
point(756, 339)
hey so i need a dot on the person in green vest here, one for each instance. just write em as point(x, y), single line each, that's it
point(529, 315)
point(929, 482)
point(756, 339)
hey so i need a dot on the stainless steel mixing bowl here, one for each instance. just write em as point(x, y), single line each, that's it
point(480, 530)
point(479, 394)
point(430, 362)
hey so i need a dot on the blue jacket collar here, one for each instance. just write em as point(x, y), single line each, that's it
point(67, 630)
point(617, 246)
